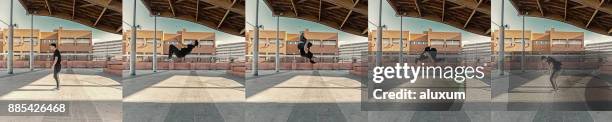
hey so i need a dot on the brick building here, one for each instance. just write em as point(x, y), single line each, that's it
point(549, 42)
point(204, 52)
point(325, 45)
point(415, 43)
point(74, 44)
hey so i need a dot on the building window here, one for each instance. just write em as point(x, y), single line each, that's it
point(559, 41)
point(395, 41)
point(418, 43)
point(140, 41)
point(49, 41)
point(83, 41)
point(67, 41)
point(149, 41)
point(292, 42)
point(272, 41)
point(27, 40)
point(189, 41)
point(17, 40)
point(171, 42)
point(437, 42)
point(541, 42)
point(206, 42)
point(329, 42)
point(315, 42)
point(386, 41)
point(508, 41)
point(519, 41)
point(575, 42)
point(453, 42)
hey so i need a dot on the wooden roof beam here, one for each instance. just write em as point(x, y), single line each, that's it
point(472, 4)
point(591, 19)
point(456, 7)
point(171, 8)
point(471, 15)
point(347, 16)
point(225, 4)
point(101, 14)
point(114, 5)
point(320, 5)
point(349, 4)
point(294, 8)
point(48, 7)
point(197, 13)
point(118, 29)
point(418, 8)
point(87, 5)
point(210, 7)
point(577, 7)
point(443, 9)
point(540, 8)
point(225, 16)
point(73, 8)
point(333, 7)
point(595, 4)
point(594, 13)
point(565, 11)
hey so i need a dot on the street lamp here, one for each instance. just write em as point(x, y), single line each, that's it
point(501, 50)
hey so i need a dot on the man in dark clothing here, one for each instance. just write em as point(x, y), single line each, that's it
point(304, 47)
point(180, 53)
point(57, 64)
point(555, 68)
point(428, 53)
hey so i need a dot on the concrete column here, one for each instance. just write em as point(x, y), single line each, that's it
point(501, 51)
point(155, 42)
point(401, 51)
point(523, 43)
point(9, 64)
point(133, 43)
point(277, 60)
point(256, 41)
point(378, 60)
point(32, 42)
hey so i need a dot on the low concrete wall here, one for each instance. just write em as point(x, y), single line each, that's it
point(65, 64)
point(237, 69)
point(304, 66)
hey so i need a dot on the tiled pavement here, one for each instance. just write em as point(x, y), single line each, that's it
point(90, 94)
point(183, 95)
point(304, 96)
point(286, 96)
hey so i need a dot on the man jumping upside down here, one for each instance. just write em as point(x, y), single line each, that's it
point(304, 47)
point(181, 53)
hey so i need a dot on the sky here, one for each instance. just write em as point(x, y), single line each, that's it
point(169, 25)
point(292, 25)
point(392, 22)
point(44, 23)
point(514, 21)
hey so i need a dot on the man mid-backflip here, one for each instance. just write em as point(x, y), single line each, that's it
point(428, 53)
point(304, 47)
point(554, 66)
point(56, 67)
point(181, 53)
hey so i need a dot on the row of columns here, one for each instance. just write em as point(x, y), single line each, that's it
point(132, 63)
